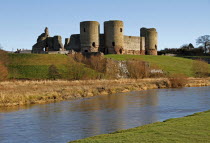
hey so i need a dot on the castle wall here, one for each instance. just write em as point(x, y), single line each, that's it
point(102, 44)
point(134, 45)
point(74, 43)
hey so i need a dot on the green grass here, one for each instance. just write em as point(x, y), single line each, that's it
point(190, 129)
point(169, 64)
point(35, 66)
point(37, 59)
point(202, 57)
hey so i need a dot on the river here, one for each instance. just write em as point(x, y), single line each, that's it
point(77, 119)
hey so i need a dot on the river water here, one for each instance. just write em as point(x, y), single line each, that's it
point(71, 120)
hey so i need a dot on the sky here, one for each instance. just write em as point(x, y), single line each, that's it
point(178, 22)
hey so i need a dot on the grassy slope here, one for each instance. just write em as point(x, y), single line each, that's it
point(191, 129)
point(167, 63)
point(35, 66)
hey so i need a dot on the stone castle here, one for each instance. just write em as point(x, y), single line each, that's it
point(113, 41)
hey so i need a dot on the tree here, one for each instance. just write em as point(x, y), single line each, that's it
point(204, 40)
point(53, 72)
point(200, 68)
point(191, 46)
point(185, 46)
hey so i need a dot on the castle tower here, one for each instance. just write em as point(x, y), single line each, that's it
point(89, 36)
point(151, 40)
point(114, 37)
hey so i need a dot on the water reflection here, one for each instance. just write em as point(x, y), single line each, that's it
point(65, 121)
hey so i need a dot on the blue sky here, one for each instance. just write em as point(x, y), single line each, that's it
point(177, 21)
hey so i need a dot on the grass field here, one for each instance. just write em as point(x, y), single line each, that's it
point(169, 64)
point(190, 129)
point(35, 66)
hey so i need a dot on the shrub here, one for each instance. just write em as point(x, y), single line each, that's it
point(76, 71)
point(177, 80)
point(200, 68)
point(137, 69)
point(53, 72)
point(96, 62)
point(155, 71)
point(112, 69)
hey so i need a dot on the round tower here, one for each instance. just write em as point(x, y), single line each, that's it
point(151, 41)
point(143, 35)
point(143, 32)
point(114, 37)
point(89, 36)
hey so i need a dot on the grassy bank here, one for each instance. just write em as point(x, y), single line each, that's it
point(172, 65)
point(35, 66)
point(190, 129)
point(35, 92)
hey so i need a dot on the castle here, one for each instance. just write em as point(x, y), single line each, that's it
point(113, 41)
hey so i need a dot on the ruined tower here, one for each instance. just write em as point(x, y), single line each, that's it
point(89, 36)
point(151, 40)
point(114, 37)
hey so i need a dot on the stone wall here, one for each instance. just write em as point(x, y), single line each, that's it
point(134, 45)
point(46, 43)
point(74, 43)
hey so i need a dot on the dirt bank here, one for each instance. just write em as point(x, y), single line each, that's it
point(13, 93)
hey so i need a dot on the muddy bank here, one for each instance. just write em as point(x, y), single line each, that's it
point(13, 93)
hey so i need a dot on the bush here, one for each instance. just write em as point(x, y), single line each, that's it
point(76, 71)
point(137, 69)
point(96, 62)
point(177, 80)
point(155, 71)
point(200, 68)
point(53, 72)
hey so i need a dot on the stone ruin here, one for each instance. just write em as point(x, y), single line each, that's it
point(45, 43)
point(90, 40)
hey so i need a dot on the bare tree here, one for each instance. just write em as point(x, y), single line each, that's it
point(204, 40)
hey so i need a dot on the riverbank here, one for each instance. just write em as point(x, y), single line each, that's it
point(13, 93)
point(194, 128)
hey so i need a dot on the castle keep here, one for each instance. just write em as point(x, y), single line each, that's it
point(113, 41)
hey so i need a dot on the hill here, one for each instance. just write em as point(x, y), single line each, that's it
point(35, 66)
point(172, 65)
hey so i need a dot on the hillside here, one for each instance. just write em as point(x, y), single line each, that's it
point(167, 63)
point(35, 66)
